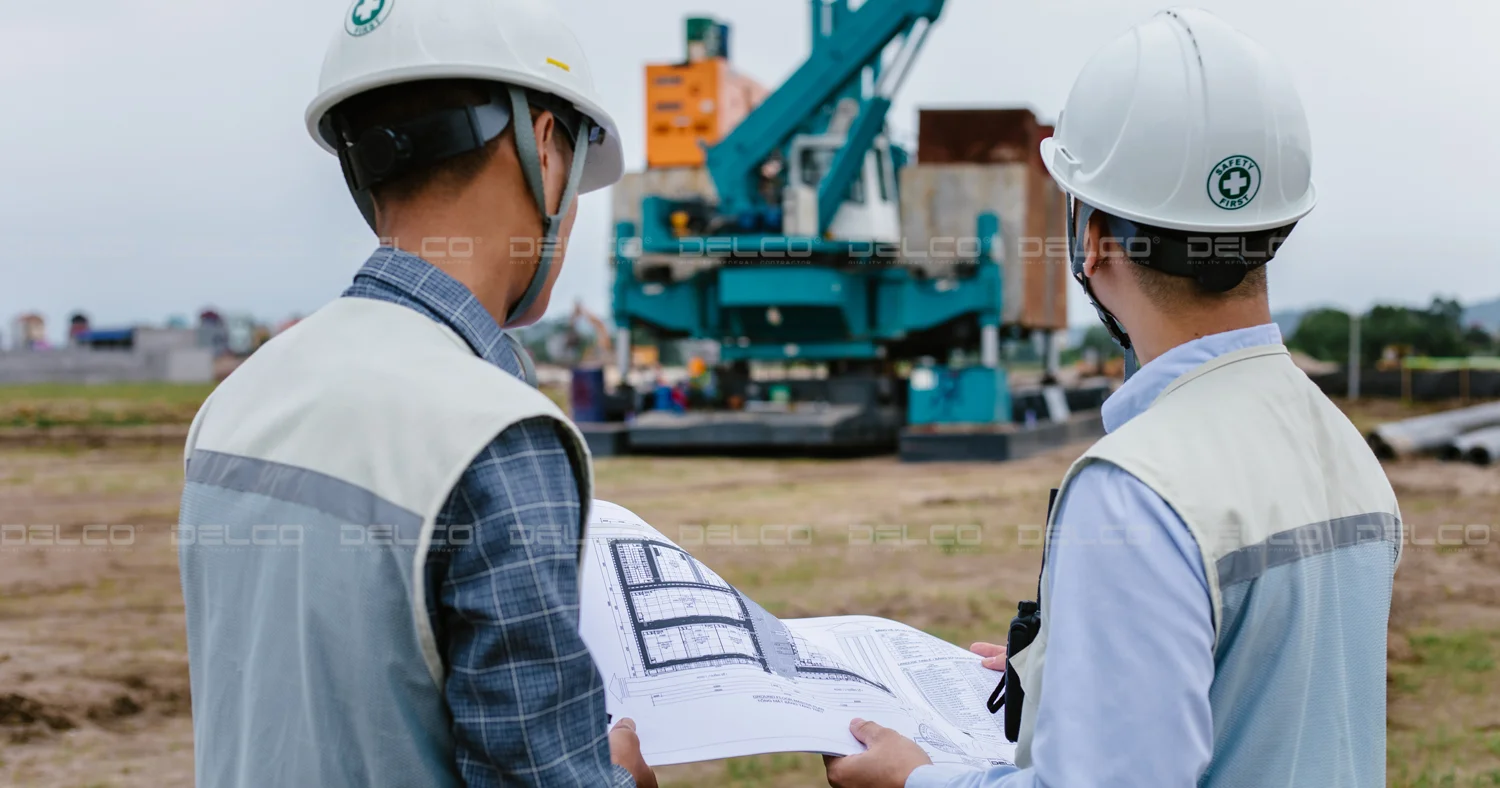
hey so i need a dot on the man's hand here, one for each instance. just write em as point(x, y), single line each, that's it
point(994, 656)
point(889, 758)
point(625, 750)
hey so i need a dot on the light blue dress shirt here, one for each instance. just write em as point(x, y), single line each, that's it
point(1130, 646)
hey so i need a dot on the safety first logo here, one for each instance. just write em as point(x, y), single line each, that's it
point(1234, 182)
point(366, 15)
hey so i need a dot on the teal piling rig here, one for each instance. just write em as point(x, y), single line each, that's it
point(799, 260)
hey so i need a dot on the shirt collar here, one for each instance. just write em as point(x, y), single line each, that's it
point(1142, 389)
point(443, 296)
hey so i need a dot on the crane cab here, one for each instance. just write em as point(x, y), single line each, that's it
point(870, 212)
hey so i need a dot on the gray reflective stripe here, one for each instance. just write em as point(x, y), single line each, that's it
point(1252, 561)
point(347, 502)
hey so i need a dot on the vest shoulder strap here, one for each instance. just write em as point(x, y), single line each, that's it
point(377, 395)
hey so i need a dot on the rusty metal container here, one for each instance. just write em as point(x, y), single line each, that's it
point(974, 161)
point(979, 136)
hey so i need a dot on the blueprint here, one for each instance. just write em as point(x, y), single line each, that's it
point(707, 673)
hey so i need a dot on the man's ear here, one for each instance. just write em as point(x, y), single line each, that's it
point(543, 127)
point(1093, 244)
point(549, 148)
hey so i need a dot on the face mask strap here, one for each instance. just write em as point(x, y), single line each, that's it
point(1080, 213)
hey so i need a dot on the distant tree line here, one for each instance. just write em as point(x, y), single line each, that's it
point(1437, 330)
point(1096, 339)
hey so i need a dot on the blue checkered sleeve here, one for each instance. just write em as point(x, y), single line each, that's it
point(526, 698)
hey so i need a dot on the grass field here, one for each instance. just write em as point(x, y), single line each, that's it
point(67, 404)
point(93, 677)
point(122, 404)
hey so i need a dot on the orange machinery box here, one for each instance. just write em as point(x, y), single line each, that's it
point(690, 106)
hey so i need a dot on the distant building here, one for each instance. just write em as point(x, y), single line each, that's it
point(78, 325)
point(241, 334)
point(212, 333)
point(127, 355)
point(105, 339)
point(30, 333)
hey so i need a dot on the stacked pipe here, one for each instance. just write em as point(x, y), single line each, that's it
point(1480, 447)
point(1466, 433)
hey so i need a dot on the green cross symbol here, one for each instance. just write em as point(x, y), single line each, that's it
point(366, 11)
point(1234, 183)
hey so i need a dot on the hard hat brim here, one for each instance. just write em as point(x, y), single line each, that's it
point(1056, 162)
point(1054, 158)
point(606, 161)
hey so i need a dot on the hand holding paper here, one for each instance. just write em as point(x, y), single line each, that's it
point(707, 673)
point(625, 750)
point(889, 759)
point(994, 656)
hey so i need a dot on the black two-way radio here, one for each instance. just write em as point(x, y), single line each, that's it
point(1024, 628)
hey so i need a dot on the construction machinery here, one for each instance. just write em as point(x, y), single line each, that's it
point(852, 293)
point(582, 348)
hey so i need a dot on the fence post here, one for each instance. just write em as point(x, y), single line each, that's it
point(1353, 356)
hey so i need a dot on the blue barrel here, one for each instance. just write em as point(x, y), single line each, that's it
point(588, 395)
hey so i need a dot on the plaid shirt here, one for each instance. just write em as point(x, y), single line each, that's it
point(526, 698)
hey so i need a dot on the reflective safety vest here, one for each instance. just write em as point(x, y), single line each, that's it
point(315, 475)
point(1300, 537)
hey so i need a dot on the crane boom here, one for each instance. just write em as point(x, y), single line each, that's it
point(836, 62)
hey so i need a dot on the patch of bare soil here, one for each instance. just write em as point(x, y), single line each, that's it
point(93, 673)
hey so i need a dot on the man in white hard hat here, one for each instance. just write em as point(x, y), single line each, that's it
point(382, 521)
point(1217, 575)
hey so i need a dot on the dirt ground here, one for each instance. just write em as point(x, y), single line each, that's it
point(93, 669)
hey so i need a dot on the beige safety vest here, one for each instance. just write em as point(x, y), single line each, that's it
point(1277, 487)
point(315, 476)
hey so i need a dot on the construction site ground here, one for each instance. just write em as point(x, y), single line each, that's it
point(93, 663)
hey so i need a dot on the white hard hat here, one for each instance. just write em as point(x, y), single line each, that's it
point(1187, 124)
point(516, 42)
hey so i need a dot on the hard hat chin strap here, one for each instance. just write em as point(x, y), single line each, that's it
point(1080, 213)
point(531, 167)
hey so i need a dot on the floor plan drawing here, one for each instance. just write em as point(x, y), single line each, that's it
point(706, 672)
point(681, 614)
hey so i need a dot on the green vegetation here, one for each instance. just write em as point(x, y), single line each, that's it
point(759, 767)
point(1437, 330)
point(112, 405)
point(1466, 651)
point(1453, 677)
point(1458, 659)
point(1402, 777)
point(756, 771)
point(1099, 340)
point(193, 393)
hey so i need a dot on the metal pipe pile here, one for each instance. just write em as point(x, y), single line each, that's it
point(1480, 447)
point(1437, 433)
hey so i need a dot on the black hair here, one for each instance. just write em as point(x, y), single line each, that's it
point(394, 105)
point(1171, 264)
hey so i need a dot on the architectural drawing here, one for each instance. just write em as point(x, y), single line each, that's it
point(684, 614)
point(707, 673)
point(681, 615)
point(815, 663)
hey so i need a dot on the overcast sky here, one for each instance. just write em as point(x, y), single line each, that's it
point(153, 158)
